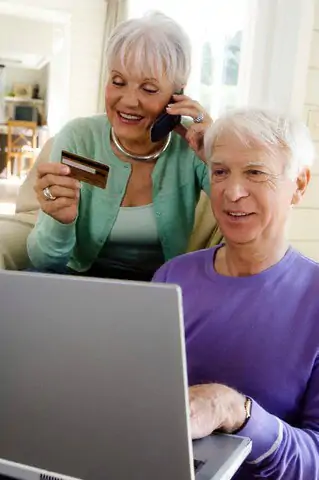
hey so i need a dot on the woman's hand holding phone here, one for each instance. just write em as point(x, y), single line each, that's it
point(194, 134)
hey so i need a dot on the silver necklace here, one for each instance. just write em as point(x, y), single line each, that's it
point(142, 158)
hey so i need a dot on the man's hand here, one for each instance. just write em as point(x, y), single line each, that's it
point(215, 407)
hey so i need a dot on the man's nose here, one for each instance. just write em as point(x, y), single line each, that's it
point(235, 189)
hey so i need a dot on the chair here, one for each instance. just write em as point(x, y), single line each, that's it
point(21, 144)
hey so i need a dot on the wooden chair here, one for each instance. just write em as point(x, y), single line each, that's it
point(21, 145)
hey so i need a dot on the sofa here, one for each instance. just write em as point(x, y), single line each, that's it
point(14, 229)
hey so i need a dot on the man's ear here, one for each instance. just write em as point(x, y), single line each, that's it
point(302, 182)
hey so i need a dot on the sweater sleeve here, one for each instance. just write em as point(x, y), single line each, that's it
point(282, 451)
point(50, 243)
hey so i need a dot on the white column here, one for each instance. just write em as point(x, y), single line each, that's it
point(58, 95)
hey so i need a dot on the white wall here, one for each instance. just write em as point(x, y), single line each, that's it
point(86, 34)
point(22, 36)
point(304, 230)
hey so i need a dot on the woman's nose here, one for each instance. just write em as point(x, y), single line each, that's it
point(130, 99)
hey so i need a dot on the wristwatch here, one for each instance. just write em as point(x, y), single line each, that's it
point(248, 407)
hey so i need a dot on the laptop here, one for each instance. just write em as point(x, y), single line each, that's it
point(94, 384)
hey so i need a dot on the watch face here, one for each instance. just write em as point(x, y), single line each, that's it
point(248, 405)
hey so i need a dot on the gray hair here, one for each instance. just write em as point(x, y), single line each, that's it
point(268, 129)
point(155, 43)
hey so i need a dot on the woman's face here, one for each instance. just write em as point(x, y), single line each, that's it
point(133, 102)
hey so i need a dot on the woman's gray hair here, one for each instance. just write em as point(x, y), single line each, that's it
point(268, 129)
point(154, 44)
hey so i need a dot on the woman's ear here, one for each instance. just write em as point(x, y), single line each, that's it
point(302, 182)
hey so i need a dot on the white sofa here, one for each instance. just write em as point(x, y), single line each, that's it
point(14, 229)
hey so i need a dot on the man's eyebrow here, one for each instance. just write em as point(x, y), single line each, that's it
point(256, 164)
point(217, 161)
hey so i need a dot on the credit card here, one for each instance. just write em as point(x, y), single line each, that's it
point(86, 170)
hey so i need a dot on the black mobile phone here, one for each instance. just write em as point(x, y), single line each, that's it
point(165, 123)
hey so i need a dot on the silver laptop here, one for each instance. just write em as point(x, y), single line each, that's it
point(94, 386)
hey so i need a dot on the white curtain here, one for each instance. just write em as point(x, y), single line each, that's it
point(2, 94)
point(116, 12)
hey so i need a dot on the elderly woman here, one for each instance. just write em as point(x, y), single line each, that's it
point(145, 214)
point(251, 305)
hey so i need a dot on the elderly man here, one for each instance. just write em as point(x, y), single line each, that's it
point(251, 305)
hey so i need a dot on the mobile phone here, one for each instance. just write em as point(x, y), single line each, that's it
point(165, 123)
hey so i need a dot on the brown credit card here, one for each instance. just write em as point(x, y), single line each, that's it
point(86, 170)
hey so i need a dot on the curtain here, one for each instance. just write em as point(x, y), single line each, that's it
point(116, 12)
point(2, 94)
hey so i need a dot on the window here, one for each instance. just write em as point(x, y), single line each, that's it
point(216, 30)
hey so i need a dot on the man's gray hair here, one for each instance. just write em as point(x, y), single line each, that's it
point(154, 44)
point(268, 129)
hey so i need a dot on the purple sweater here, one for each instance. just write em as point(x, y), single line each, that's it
point(260, 336)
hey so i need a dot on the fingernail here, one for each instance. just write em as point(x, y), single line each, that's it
point(169, 106)
point(65, 170)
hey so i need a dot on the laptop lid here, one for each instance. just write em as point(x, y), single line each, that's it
point(94, 385)
point(92, 376)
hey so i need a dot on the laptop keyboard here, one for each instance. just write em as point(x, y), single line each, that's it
point(198, 465)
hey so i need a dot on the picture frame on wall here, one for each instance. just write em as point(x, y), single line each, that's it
point(22, 90)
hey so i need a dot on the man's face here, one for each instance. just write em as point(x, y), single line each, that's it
point(251, 195)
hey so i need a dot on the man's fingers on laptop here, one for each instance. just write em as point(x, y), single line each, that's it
point(202, 419)
point(215, 407)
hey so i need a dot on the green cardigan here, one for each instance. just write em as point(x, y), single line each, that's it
point(178, 178)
